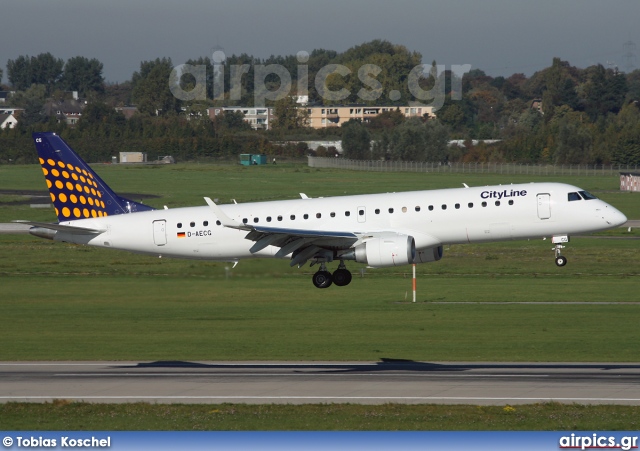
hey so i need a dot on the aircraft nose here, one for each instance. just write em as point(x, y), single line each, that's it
point(615, 217)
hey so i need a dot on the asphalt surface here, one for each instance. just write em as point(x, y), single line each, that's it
point(404, 382)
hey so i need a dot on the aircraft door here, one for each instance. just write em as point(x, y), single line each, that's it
point(362, 214)
point(544, 206)
point(160, 232)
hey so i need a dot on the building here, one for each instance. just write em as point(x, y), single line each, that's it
point(4, 96)
point(7, 121)
point(335, 116)
point(536, 104)
point(133, 157)
point(259, 118)
point(630, 181)
point(127, 111)
point(68, 111)
point(249, 159)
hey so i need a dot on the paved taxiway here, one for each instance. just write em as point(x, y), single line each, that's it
point(314, 382)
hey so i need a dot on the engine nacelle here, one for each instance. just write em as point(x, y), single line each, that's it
point(431, 254)
point(379, 252)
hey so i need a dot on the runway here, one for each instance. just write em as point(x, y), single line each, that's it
point(405, 382)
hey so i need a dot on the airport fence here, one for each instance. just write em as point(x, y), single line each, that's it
point(471, 168)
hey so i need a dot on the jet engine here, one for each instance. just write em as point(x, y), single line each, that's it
point(393, 250)
point(431, 254)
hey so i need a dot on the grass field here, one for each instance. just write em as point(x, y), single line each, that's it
point(62, 415)
point(502, 301)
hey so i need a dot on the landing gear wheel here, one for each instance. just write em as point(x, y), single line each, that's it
point(561, 260)
point(342, 277)
point(322, 279)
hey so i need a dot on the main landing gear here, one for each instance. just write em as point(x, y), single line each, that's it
point(324, 279)
point(561, 260)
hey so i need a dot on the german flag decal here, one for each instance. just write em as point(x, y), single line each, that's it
point(181, 235)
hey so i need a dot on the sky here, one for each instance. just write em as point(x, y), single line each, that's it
point(501, 37)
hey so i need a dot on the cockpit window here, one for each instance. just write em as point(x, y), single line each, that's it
point(574, 196)
point(587, 195)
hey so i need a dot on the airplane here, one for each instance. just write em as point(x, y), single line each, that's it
point(380, 230)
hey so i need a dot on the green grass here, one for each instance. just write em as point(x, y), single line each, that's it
point(66, 302)
point(71, 302)
point(62, 415)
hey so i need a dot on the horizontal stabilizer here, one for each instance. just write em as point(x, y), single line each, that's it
point(64, 228)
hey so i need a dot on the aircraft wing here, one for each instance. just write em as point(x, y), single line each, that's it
point(74, 230)
point(304, 243)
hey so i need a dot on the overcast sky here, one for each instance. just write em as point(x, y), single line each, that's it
point(501, 37)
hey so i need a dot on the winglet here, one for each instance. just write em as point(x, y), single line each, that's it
point(223, 218)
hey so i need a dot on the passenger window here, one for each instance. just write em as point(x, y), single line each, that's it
point(333, 214)
point(511, 202)
point(484, 204)
point(193, 224)
point(318, 215)
point(430, 207)
point(470, 205)
point(361, 212)
point(245, 220)
point(457, 206)
point(377, 211)
point(293, 217)
point(417, 208)
point(347, 213)
point(497, 203)
point(444, 207)
point(206, 223)
point(306, 216)
point(179, 225)
point(255, 219)
point(574, 196)
point(279, 218)
point(268, 218)
point(218, 223)
point(391, 210)
point(404, 209)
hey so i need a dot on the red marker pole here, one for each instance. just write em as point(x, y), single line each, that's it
point(414, 282)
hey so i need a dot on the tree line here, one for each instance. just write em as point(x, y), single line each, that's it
point(561, 114)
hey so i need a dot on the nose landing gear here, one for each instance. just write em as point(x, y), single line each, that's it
point(561, 260)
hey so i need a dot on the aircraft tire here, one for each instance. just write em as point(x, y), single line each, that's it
point(342, 277)
point(561, 261)
point(322, 279)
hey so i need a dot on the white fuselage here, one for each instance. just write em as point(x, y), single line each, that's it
point(434, 217)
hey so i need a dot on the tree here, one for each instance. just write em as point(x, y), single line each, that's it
point(356, 140)
point(418, 141)
point(83, 75)
point(43, 69)
point(232, 120)
point(386, 120)
point(604, 91)
point(151, 88)
point(288, 115)
point(32, 100)
point(574, 142)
